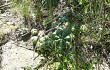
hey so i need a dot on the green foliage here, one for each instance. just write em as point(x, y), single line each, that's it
point(58, 47)
point(34, 32)
point(67, 44)
point(23, 6)
point(34, 39)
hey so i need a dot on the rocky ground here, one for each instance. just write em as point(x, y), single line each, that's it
point(16, 52)
point(15, 55)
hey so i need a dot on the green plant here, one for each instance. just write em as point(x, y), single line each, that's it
point(69, 37)
point(34, 32)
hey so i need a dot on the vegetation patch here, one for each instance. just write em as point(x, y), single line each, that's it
point(70, 34)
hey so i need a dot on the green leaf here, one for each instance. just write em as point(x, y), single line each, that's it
point(34, 32)
point(59, 32)
point(57, 64)
point(107, 1)
point(66, 32)
point(34, 39)
point(86, 8)
point(55, 37)
point(80, 1)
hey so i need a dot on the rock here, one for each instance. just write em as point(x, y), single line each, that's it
point(16, 58)
point(1, 22)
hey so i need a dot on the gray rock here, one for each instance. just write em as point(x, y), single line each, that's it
point(16, 58)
